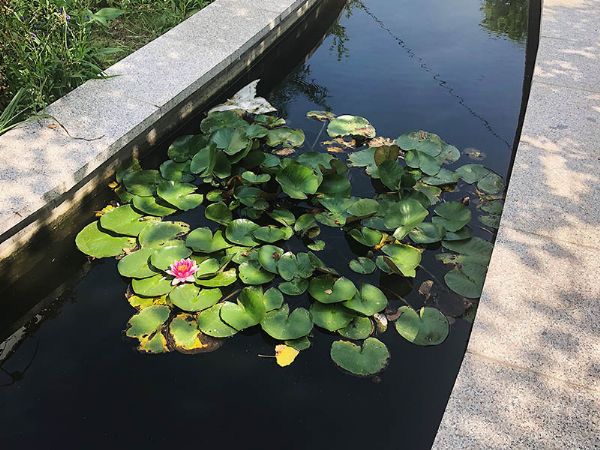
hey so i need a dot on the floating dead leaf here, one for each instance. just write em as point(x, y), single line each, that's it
point(335, 149)
point(475, 154)
point(113, 185)
point(425, 289)
point(285, 355)
point(342, 142)
point(104, 210)
point(381, 322)
point(466, 200)
point(284, 152)
point(393, 315)
point(380, 141)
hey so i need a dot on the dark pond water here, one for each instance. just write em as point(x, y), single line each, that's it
point(453, 68)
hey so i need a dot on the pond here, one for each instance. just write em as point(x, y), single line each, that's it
point(452, 68)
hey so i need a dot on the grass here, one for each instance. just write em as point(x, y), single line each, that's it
point(49, 47)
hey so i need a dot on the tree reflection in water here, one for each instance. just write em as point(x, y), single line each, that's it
point(506, 18)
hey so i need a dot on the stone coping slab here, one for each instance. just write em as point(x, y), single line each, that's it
point(43, 160)
point(531, 374)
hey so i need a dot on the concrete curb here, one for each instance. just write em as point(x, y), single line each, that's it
point(531, 374)
point(47, 167)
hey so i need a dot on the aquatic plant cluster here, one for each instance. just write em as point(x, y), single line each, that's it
point(259, 192)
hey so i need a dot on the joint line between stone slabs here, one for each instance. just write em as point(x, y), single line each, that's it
point(551, 238)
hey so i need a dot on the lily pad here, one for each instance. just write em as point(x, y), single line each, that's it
point(287, 266)
point(351, 126)
point(426, 327)
point(252, 274)
point(184, 147)
point(360, 328)
point(142, 182)
point(125, 220)
point(467, 280)
point(491, 184)
point(286, 137)
point(328, 289)
point(475, 249)
point(174, 171)
point(269, 234)
point(429, 143)
point(273, 299)
point(247, 312)
point(282, 325)
point(240, 231)
point(268, 255)
point(221, 279)
point(136, 264)
point(452, 215)
point(404, 215)
point(366, 236)
point(191, 298)
point(98, 243)
point(297, 286)
point(147, 321)
point(331, 317)
point(218, 212)
point(152, 287)
point(185, 337)
point(202, 240)
point(369, 359)
point(427, 233)
point(363, 207)
point(153, 206)
point(283, 216)
point(210, 323)
point(160, 234)
point(472, 173)
point(362, 265)
point(368, 301)
point(404, 257)
point(297, 180)
point(180, 195)
point(252, 178)
point(163, 257)
point(391, 173)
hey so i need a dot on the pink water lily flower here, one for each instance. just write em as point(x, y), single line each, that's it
point(183, 271)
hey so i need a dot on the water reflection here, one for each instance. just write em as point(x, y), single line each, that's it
point(506, 18)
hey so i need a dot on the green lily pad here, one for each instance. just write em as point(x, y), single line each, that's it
point(125, 220)
point(368, 301)
point(287, 266)
point(97, 243)
point(156, 343)
point(273, 299)
point(231, 140)
point(180, 195)
point(268, 255)
point(251, 273)
point(467, 280)
point(442, 178)
point(317, 245)
point(299, 344)
point(360, 328)
point(426, 327)
point(147, 321)
point(286, 137)
point(429, 143)
point(203, 163)
point(251, 196)
point(163, 257)
point(363, 207)
point(269, 234)
point(472, 173)
point(185, 337)
point(460, 235)
point(191, 298)
point(153, 206)
point(202, 240)
point(491, 220)
point(283, 216)
point(297, 180)
point(404, 257)
point(240, 231)
point(366, 236)
point(159, 234)
point(282, 325)
point(331, 317)
point(218, 212)
point(391, 173)
point(221, 119)
point(476, 249)
point(136, 264)
point(350, 126)
point(295, 287)
point(176, 171)
point(253, 178)
point(184, 147)
point(142, 182)
point(363, 361)
point(362, 265)
point(328, 289)
point(426, 163)
point(427, 233)
point(221, 279)
point(453, 215)
point(247, 312)
point(491, 184)
point(152, 287)
point(386, 153)
point(210, 323)
point(404, 215)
